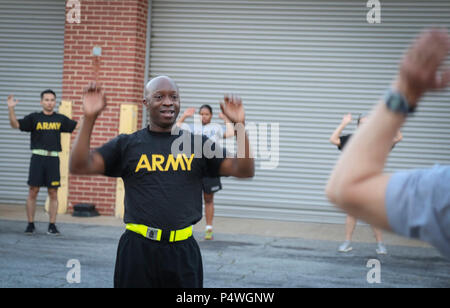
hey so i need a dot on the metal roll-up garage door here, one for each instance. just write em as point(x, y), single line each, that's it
point(31, 60)
point(303, 65)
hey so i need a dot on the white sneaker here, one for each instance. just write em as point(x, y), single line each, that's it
point(345, 247)
point(381, 250)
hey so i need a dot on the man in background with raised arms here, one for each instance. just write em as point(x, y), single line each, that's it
point(163, 189)
point(412, 203)
point(45, 130)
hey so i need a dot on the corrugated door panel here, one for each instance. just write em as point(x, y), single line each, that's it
point(303, 65)
point(31, 60)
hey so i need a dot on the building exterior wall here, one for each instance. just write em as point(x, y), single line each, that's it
point(300, 65)
point(119, 28)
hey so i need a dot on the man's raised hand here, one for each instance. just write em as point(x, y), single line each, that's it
point(11, 101)
point(94, 100)
point(418, 71)
point(233, 108)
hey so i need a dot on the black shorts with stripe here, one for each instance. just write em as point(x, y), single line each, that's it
point(211, 185)
point(44, 171)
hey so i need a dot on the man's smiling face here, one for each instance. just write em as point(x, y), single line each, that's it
point(163, 102)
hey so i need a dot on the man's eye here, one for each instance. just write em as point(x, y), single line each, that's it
point(174, 97)
point(157, 97)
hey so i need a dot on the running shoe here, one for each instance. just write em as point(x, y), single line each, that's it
point(52, 230)
point(345, 247)
point(209, 235)
point(381, 250)
point(30, 229)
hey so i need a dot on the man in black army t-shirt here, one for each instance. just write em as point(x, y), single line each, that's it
point(45, 128)
point(162, 172)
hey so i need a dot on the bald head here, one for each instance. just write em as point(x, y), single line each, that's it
point(163, 103)
point(160, 83)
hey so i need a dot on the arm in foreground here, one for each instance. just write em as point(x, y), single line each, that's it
point(242, 166)
point(357, 183)
point(82, 160)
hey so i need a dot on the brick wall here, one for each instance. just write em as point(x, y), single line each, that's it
point(119, 27)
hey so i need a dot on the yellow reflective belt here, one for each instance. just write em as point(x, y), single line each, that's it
point(180, 235)
point(45, 152)
point(155, 234)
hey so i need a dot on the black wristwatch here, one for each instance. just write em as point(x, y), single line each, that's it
point(397, 103)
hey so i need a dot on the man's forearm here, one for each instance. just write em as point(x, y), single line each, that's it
point(367, 151)
point(80, 159)
point(12, 118)
point(245, 163)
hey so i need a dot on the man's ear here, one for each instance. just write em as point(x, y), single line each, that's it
point(144, 101)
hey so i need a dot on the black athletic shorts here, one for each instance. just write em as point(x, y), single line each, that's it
point(211, 185)
point(44, 171)
point(144, 263)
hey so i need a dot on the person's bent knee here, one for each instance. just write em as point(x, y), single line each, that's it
point(209, 198)
point(53, 193)
point(33, 192)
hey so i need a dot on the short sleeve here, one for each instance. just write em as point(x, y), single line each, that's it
point(27, 123)
point(68, 125)
point(112, 156)
point(418, 205)
point(343, 141)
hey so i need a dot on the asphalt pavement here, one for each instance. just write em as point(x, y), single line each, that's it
point(84, 256)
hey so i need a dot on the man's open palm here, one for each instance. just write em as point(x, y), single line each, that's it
point(419, 68)
point(94, 100)
point(233, 109)
point(11, 101)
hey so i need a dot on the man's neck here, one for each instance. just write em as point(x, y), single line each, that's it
point(48, 112)
point(157, 129)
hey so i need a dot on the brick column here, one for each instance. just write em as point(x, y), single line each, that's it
point(119, 27)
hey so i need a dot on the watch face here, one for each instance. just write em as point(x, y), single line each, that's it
point(396, 104)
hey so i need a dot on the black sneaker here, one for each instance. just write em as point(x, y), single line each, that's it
point(52, 230)
point(30, 229)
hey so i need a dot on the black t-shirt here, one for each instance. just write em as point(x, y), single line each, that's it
point(46, 129)
point(344, 139)
point(162, 190)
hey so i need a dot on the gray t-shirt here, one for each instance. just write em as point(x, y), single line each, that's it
point(418, 205)
point(212, 130)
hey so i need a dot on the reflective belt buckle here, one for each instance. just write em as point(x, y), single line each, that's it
point(153, 234)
